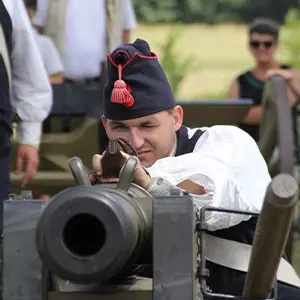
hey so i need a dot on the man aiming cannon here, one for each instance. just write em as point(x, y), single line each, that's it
point(219, 166)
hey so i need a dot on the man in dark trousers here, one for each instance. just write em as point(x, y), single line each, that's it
point(25, 90)
point(219, 166)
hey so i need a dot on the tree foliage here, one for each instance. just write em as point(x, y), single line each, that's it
point(211, 11)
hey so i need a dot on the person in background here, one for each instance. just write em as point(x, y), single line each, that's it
point(83, 31)
point(25, 90)
point(263, 42)
point(48, 50)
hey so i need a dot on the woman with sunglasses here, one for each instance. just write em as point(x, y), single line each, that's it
point(263, 39)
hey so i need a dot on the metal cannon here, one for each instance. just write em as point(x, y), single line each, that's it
point(100, 240)
point(90, 234)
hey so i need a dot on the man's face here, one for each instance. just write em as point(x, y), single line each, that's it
point(152, 136)
point(263, 47)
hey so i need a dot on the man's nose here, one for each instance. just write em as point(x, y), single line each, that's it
point(135, 139)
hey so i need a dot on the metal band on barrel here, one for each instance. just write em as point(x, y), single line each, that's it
point(160, 187)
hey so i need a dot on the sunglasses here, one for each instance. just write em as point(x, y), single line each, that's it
point(266, 44)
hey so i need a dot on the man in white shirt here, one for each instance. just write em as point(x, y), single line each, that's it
point(24, 89)
point(219, 166)
point(85, 38)
point(50, 57)
point(48, 51)
point(79, 29)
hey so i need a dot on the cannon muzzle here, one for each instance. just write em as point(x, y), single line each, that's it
point(91, 234)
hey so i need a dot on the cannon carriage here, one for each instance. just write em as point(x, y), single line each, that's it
point(115, 241)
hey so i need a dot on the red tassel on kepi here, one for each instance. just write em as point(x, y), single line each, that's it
point(136, 84)
point(121, 91)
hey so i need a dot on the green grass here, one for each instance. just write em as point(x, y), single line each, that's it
point(221, 52)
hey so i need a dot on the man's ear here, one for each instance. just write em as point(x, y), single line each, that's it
point(177, 117)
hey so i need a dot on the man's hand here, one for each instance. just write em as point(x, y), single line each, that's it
point(140, 177)
point(286, 74)
point(27, 160)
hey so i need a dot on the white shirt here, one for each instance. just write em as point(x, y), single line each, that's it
point(49, 53)
point(31, 92)
point(85, 34)
point(228, 164)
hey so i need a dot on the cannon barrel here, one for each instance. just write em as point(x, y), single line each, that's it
point(91, 234)
point(271, 235)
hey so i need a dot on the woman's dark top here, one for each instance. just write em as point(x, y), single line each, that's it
point(252, 88)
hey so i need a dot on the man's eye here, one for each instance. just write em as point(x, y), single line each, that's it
point(119, 127)
point(149, 126)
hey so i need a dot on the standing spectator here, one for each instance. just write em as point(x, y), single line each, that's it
point(25, 89)
point(84, 44)
point(84, 31)
point(50, 56)
point(263, 42)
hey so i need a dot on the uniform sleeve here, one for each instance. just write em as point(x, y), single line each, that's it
point(228, 164)
point(51, 58)
point(31, 91)
point(40, 17)
point(129, 21)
